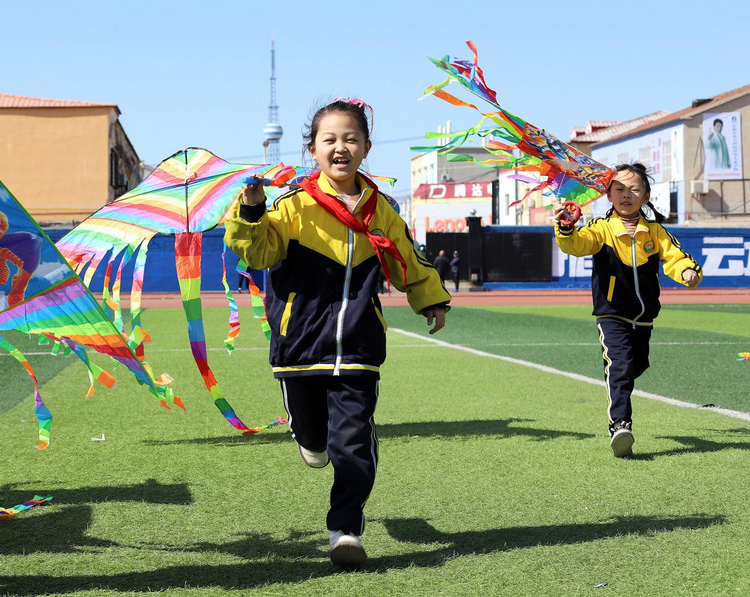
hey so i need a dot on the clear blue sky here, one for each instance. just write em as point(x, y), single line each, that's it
point(197, 72)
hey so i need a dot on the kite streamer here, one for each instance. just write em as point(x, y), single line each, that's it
point(190, 192)
point(40, 294)
point(513, 143)
point(38, 500)
point(259, 307)
point(42, 413)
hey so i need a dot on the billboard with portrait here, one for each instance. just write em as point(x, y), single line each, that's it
point(722, 140)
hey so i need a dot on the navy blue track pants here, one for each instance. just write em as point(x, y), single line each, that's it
point(336, 413)
point(625, 353)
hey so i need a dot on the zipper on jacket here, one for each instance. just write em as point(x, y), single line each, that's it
point(636, 283)
point(344, 305)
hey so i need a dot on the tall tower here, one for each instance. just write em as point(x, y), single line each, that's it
point(272, 132)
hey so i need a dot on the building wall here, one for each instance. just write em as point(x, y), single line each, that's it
point(126, 170)
point(662, 150)
point(431, 168)
point(56, 160)
point(448, 215)
point(728, 201)
point(531, 211)
point(424, 169)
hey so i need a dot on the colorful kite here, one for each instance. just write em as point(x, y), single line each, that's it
point(743, 356)
point(569, 174)
point(189, 193)
point(40, 294)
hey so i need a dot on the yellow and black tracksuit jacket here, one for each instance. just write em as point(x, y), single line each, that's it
point(321, 300)
point(625, 276)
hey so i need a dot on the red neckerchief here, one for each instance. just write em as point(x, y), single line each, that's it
point(336, 207)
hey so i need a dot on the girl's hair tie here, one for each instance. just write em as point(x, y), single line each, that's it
point(362, 104)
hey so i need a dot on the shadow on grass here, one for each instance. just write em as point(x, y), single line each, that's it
point(499, 428)
point(417, 530)
point(150, 491)
point(292, 561)
point(695, 445)
point(58, 531)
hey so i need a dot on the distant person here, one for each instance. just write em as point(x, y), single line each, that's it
point(381, 283)
point(443, 266)
point(626, 294)
point(717, 145)
point(455, 269)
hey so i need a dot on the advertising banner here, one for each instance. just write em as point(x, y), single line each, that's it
point(722, 139)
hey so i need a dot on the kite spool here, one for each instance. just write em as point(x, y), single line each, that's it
point(571, 213)
point(280, 179)
point(249, 180)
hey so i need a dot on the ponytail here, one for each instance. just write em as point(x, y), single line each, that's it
point(658, 217)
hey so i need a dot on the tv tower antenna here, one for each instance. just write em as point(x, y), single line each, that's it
point(272, 132)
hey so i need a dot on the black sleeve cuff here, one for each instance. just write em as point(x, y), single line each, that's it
point(252, 213)
point(444, 305)
point(564, 229)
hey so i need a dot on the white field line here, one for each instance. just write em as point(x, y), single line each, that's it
point(516, 344)
point(582, 378)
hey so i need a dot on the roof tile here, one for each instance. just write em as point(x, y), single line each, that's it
point(9, 100)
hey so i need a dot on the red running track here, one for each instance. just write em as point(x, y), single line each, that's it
point(676, 296)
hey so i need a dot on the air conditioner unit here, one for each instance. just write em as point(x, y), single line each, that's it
point(699, 187)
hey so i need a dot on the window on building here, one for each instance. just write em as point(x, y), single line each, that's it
point(666, 160)
point(117, 179)
point(644, 156)
point(506, 203)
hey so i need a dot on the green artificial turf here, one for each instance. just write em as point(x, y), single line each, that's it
point(693, 347)
point(495, 478)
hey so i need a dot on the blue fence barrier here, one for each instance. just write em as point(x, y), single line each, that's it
point(723, 253)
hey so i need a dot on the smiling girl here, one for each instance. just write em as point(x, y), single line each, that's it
point(626, 249)
point(327, 243)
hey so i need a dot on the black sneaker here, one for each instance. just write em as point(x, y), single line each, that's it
point(622, 439)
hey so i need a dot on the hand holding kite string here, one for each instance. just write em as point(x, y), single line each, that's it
point(252, 191)
point(567, 213)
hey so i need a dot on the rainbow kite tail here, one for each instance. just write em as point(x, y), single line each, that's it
point(259, 307)
point(38, 500)
point(43, 415)
point(188, 247)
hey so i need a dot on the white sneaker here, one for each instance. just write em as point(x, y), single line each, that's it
point(622, 440)
point(314, 459)
point(347, 550)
